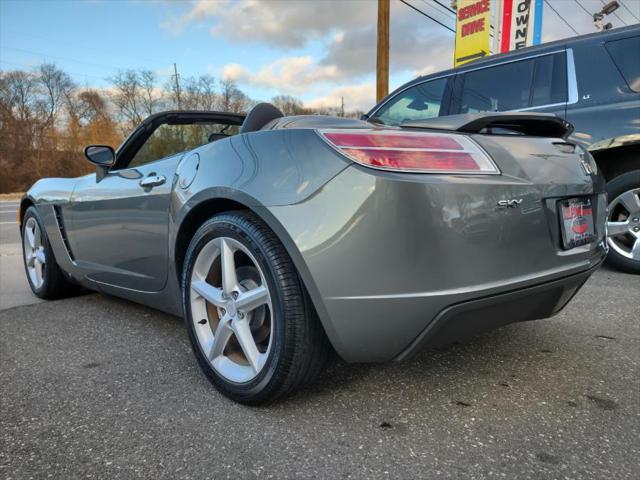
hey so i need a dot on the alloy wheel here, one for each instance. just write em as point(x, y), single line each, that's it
point(623, 226)
point(34, 253)
point(231, 309)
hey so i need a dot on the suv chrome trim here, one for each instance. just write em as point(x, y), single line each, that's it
point(572, 80)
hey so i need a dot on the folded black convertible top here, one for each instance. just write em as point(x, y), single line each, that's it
point(530, 124)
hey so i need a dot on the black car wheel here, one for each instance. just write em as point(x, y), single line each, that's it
point(45, 277)
point(251, 324)
point(623, 224)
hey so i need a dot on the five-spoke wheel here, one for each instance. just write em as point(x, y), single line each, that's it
point(231, 309)
point(251, 323)
point(34, 254)
point(45, 277)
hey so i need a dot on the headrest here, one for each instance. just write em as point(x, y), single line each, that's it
point(259, 116)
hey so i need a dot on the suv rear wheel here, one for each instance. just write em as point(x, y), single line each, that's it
point(624, 222)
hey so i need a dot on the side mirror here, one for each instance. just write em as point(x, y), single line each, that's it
point(100, 155)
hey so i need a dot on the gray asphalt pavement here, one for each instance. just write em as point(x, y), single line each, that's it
point(96, 387)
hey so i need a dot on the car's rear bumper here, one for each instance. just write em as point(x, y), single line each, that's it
point(464, 320)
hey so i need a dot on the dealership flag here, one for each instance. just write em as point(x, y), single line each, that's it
point(521, 24)
point(473, 24)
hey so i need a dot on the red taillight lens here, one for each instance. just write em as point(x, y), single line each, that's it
point(422, 152)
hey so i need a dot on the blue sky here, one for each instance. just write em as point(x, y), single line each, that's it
point(318, 50)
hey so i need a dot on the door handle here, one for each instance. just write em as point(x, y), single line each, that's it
point(152, 181)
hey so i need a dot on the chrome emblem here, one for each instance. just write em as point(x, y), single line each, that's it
point(585, 165)
point(512, 203)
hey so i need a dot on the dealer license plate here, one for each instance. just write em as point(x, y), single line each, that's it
point(576, 222)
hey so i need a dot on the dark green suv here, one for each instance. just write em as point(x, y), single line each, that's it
point(592, 81)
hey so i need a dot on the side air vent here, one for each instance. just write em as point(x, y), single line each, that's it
point(63, 232)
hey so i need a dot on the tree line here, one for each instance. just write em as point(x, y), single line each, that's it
point(46, 119)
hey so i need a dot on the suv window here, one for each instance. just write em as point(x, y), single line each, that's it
point(419, 102)
point(626, 56)
point(499, 88)
point(168, 140)
point(513, 86)
point(549, 80)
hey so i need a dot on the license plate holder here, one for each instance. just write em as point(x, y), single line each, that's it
point(576, 222)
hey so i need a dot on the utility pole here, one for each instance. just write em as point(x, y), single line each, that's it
point(382, 58)
point(342, 107)
point(177, 79)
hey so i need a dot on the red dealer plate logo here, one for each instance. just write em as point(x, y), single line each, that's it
point(576, 222)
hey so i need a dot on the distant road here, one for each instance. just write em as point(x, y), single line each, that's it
point(14, 289)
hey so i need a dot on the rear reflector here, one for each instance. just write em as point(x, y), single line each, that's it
point(418, 152)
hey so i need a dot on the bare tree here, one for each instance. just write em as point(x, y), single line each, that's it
point(290, 105)
point(56, 86)
point(196, 93)
point(231, 98)
point(18, 95)
point(135, 96)
point(152, 97)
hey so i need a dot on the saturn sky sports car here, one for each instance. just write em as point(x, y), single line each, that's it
point(282, 239)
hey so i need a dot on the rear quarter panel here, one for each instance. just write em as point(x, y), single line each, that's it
point(388, 251)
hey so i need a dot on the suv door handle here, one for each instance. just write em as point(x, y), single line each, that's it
point(152, 181)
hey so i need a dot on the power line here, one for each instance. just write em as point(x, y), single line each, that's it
point(84, 47)
point(450, 10)
point(583, 8)
point(561, 17)
point(428, 16)
point(436, 10)
point(627, 9)
point(68, 59)
point(31, 66)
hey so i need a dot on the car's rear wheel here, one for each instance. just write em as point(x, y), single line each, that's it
point(623, 224)
point(45, 277)
point(251, 324)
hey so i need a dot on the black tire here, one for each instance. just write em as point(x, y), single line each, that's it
point(616, 187)
point(55, 283)
point(300, 348)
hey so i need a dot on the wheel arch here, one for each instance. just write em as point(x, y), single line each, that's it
point(618, 160)
point(25, 203)
point(205, 208)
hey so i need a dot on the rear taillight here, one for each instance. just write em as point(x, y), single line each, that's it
point(420, 152)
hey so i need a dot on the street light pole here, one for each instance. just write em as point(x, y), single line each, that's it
point(382, 58)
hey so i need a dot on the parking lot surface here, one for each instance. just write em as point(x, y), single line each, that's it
point(97, 387)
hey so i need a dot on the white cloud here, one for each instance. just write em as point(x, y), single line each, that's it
point(199, 10)
point(356, 97)
point(281, 23)
point(346, 33)
point(292, 75)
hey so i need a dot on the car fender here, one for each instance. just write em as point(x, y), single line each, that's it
point(614, 142)
point(226, 194)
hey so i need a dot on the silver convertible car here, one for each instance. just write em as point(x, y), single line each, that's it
point(283, 239)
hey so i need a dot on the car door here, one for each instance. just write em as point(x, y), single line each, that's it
point(119, 225)
point(118, 221)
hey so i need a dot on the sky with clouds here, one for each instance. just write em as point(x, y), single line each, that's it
point(318, 50)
